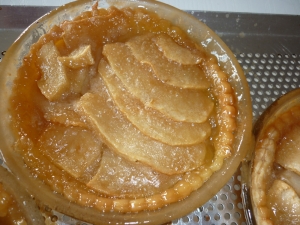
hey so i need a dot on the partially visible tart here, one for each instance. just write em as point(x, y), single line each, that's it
point(16, 206)
point(275, 176)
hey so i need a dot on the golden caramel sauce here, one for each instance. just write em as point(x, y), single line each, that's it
point(97, 28)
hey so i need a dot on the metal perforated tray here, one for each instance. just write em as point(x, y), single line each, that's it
point(268, 49)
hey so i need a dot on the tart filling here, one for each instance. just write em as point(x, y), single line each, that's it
point(120, 110)
point(275, 177)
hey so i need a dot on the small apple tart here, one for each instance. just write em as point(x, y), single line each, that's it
point(275, 174)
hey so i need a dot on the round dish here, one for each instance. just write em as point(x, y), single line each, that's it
point(199, 33)
point(27, 207)
point(272, 177)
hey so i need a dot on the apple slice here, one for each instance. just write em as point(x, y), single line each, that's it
point(285, 203)
point(119, 177)
point(288, 152)
point(169, 69)
point(175, 52)
point(53, 81)
point(79, 58)
point(80, 157)
point(139, 79)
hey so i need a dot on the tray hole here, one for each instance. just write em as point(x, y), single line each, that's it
point(224, 197)
point(291, 67)
point(215, 198)
point(217, 217)
point(262, 86)
point(220, 207)
point(283, 67)
point(261, 67)
point(196, 218)
point(288, 79)
point(233, 196)
point(237, 187)
point(230, 206)
point(227, 188)
point(240, 205)
point(227, 216)
point(185, 219)
point(206, 217)
point(237, 215)
point(257, 99)
point(263, 61)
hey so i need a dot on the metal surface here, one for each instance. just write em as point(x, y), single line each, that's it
point(267, 47)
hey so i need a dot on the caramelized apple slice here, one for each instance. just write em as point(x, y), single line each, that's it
point(285, 203)
point(54, 79)
point(79, 58)
point(79, 80)
point(62, 113)
point(90, 31)
point(148, 120)
point(169, 71)
point(59, 112)
point(78, 156)
point(125, 139)
point(288, 152)
point(175, 52)
point(291, 178)
point(139, 79)
point(119, 177)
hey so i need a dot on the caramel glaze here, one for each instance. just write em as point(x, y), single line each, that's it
point(97, 28)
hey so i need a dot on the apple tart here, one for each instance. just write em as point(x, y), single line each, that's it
point(275, 174)
point(120, 110)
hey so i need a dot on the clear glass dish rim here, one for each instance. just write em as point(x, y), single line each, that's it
point(198, 31)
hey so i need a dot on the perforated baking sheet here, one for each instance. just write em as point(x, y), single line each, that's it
point(268, 49)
